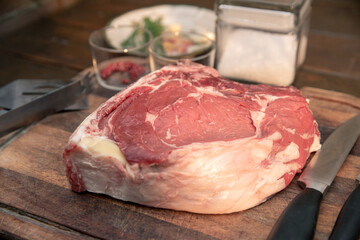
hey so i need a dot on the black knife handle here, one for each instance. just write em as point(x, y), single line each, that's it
point(347, 225)
point(298, 221)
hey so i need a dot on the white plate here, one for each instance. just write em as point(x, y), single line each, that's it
point(188, 17)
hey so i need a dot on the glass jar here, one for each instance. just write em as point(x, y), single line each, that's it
point(261, 41)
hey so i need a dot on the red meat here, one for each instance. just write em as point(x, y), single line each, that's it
point(184, 138)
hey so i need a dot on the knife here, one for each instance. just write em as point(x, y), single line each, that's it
point(44, 105)
point(298, 221)
point(347, 225)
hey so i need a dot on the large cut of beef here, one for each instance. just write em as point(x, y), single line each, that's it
point(184, 138)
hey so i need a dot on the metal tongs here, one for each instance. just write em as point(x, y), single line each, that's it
point(23, 102)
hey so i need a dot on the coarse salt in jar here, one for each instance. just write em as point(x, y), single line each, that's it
point(261, 41)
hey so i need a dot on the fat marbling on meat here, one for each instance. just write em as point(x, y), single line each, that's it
point(185, 138)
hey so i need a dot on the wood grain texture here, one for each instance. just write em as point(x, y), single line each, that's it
point(344, 20)
point(326, 80)
point(33, 181)
point(14, 67)
point(50, 44)
point(18, 225)
point(97, 216)
point(344, 57)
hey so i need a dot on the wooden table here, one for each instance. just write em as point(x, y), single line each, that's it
point(35, 200)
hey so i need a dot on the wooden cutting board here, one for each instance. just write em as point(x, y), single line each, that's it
point(37, 203)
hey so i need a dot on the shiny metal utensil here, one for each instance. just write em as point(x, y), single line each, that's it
point(22, 91)
point(298, 221)
point(347, 225)
point(52, 101)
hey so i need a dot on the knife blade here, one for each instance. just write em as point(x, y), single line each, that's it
point(44, 105)
point(347, 225)
point(298, 220)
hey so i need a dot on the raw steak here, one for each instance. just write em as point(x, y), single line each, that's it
point(184, 138)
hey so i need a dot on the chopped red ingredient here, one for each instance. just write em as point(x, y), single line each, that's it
point(133, 70)
point(125, 81)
